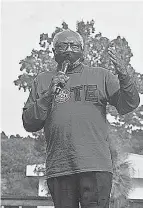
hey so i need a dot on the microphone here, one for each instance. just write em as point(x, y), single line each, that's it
point(64, 68)
point(65, 65)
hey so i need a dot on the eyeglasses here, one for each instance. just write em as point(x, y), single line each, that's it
point(62, 47)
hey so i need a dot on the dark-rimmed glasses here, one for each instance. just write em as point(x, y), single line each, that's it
point(62, 47)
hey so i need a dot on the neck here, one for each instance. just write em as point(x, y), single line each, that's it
point(71, 67)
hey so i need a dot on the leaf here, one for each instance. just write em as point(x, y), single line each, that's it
point(64, 25)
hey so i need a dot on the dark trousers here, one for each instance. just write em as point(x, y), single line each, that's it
point(91, 189)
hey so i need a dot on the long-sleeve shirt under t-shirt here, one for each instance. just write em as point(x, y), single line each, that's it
point(74, 121)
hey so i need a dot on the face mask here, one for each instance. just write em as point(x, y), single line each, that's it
point(71, 56)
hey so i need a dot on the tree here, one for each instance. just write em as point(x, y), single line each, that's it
point(95, 54)
point(3, 135)
point(16, 154)
point(40, 143)
point(137, 142)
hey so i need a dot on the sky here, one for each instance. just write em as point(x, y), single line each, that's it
point(22, 22)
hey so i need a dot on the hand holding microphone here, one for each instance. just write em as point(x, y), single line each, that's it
point(60, 79)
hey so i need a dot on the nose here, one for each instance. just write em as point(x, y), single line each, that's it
point(69, 48)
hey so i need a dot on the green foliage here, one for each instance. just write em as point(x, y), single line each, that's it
point(37, 62)
point(16, 154)
point(40, 143)
point(3, 135)
point(85, 29)
point(17, 184)
point(122, 183)
point(137, 142)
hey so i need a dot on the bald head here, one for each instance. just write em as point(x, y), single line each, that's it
point(67, 36)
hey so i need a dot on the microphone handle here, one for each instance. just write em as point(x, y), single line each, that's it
point(64, 69)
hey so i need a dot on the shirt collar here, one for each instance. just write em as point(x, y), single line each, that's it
point(76, 67)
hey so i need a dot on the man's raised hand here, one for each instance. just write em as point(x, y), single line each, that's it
point(118, 62)
point(58, 81)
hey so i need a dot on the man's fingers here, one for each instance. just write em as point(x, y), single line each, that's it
point(111, 52)
point(62, 76)
point(58, 80)
point(112, 57)
point(114, 61)
point(117, 60)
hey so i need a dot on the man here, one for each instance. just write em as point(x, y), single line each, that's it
point(71, 107)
